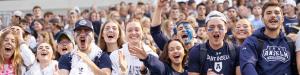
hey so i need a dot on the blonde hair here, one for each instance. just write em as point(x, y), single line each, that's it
point(120, 41)
point(48, 38)
point(16, 58)
point(164, 28)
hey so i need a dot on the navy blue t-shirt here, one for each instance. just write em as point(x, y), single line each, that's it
point(288, 23)
point(219, 61)
point(102, 62)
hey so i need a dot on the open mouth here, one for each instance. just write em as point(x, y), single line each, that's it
point(64, 49)
point(8, 49)
point(110, 36)
point(242, 32)
point(184, 36)
point(216, 36)
point(44, 54)
point(273, 21)
point(134, 37)
point(82, 40)
point(177, 56)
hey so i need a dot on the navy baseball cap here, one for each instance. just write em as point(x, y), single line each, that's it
point(83, 23)
point(67, 34)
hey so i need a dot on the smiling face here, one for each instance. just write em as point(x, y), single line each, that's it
point(216, 31)
point(273, 18)
point(110, 32)
point(44, 52)
point(64, 46)
point(83, 38)
point(134, 32)
point(9, 46)
point(242, 29)
point(37, 26)
point(176, 52)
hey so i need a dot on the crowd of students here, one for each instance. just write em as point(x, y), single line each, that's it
point(249, 37)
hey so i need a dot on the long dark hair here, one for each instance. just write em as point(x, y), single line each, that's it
point(164, 56)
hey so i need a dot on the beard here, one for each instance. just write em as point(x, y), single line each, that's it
point(272, 28)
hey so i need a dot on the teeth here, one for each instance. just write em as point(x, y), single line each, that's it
point(7, 49)
point(110, 36)
point(64, 49)
point(184, 36)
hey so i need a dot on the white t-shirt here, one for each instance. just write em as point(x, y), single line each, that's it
point(298, 42)
point(133, 63)
point(36, 69)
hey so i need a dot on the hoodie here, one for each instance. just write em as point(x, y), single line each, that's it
point(159, 37)
point(274, 58)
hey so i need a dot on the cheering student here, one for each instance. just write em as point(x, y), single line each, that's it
point(216, 56)
point(268, 51)
point(170, 62)
point(241, 31)
point(183, 30)
point(111, 36)
point(86, 58)
point(15, 54)
point(65, 43)
point(126, 63)
point(44, 64)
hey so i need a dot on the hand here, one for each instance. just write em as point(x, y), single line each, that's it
point(56, 70)
point(138, 52)
point(20, 33)
point(162, 3)
point(122, 61)
point(292, 36)
point(4, 30)
point(81, 55)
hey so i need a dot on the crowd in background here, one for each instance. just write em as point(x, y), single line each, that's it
point(168, 38)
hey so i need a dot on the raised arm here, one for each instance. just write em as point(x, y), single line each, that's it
point(27, 55)
point(159, 38)
point(150, 61)
point(156, 17)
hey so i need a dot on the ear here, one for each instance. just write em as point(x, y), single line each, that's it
point(282, 19)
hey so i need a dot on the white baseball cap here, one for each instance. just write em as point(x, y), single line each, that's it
point(17, 13)
point(290, 2)
point(216, 15)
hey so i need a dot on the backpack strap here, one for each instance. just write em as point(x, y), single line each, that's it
point(232, 50)
point(203, 54)
point(261, 44)
point(292, 47)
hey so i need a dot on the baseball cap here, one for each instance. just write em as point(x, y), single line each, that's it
point(27, 30)
point(84, 23)
point(67, 34)
point(17, 13)
point(54, 20)
point(215, 15)
point(290, 2)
